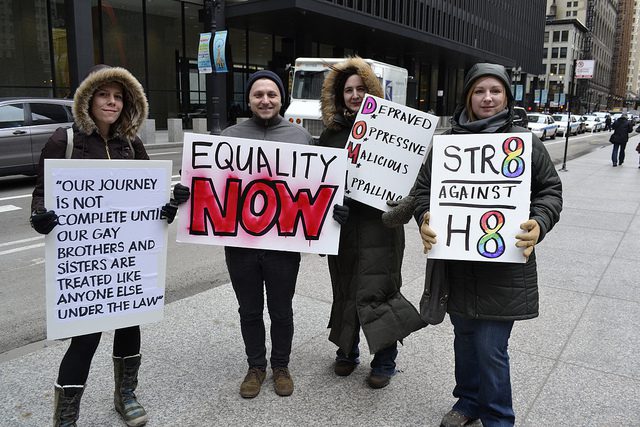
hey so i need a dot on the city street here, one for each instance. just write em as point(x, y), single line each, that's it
point(190, 268)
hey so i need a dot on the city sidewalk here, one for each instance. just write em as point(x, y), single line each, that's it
point(578, 364)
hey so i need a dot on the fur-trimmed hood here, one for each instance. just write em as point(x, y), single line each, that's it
point(331, 100)
point(134, 111)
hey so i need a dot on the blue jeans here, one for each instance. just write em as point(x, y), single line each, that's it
point(383, 363)
point(617, 154)
point(483, 381)
point(251, 271)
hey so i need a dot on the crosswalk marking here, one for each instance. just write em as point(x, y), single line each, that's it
point(8, 208)
point(22, 248)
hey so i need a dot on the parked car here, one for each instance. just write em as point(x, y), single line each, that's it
point(542, 125)
point(562, 120)
point(520, 118)
point(25, 126)
point(592, 123)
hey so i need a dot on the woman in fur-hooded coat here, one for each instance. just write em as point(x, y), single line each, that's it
point(122, 143)
point(109, 107)
point(366, 273)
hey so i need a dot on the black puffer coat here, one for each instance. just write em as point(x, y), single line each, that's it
point(621, 130)
point(366, 273)
point(490, 290)
point(87, 142)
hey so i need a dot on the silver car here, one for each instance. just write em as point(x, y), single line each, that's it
point(25, 126)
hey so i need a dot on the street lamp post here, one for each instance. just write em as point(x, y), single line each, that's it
point(569, 107)
point(216, 90)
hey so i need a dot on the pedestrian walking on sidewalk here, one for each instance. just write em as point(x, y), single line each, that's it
point(607, 123)
point(365, 275)
point(621, 130)
point(108, 108)
point(484, 299)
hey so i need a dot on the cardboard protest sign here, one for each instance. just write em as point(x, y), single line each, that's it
point(106, 259)
point(386, 147)
point(480, 194)
point(261, 194)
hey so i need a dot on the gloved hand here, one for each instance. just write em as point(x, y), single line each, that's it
point(341, 214)
point(529, 238)
point(427, 234)
point(181, 193)
point(43, 220)
point(401, 213)
point(168, 212)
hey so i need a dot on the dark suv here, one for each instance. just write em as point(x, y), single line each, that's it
point(520, 117)
point(25, 126)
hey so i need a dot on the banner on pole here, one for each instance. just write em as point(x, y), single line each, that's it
point(106, 259)
point(480, 186)
point(219, 43)
point(204, 56)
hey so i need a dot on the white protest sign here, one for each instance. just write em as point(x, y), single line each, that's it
point(480, 194)
point(261, 194)
point(106, 259)
point(386, 147)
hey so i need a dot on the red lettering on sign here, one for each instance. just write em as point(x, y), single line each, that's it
point(206, 208)
point(258, 207)
point(312, 210)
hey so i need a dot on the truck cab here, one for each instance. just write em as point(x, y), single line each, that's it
point(308, 76)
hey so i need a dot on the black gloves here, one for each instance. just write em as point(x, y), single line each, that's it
point(341, 214)
point(181, 193)
point(43, 221)
point(168, 212)
point(401, 213)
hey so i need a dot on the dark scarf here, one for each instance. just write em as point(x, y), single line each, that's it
point(488, 125)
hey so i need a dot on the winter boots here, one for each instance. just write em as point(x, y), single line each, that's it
point(66, 406)
point(125, 372)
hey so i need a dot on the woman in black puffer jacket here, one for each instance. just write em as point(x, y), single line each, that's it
point(484, 299)
point(365, 275)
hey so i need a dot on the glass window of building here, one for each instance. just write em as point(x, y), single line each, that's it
point(554, 52)
point(562, 69)
point(164, 43)
point(260, 52)
point(554, 69)
point(556, 36)
point(546, 36)
point(565, 36)
point(123, 36)
point(545, 52)
point(567, 13)
point(25, 61)
point(569, 4)
point(563, 52)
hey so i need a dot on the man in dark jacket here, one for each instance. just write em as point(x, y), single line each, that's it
point(253, 270)
point(621, 130)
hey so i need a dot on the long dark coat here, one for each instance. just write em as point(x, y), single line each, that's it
point(366, 276)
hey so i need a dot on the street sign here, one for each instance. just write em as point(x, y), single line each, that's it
point(584, 68)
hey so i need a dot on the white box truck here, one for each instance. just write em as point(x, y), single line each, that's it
point(308, 75)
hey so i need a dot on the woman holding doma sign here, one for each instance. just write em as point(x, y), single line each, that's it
point(109, 107)
point(365, 275)
point(484, 298)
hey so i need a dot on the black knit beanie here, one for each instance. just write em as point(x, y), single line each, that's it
point(265, 74)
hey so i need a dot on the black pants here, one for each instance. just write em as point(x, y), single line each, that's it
point(74, 368)
point(251, 271)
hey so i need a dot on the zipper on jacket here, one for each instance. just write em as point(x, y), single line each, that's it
point(106, 148)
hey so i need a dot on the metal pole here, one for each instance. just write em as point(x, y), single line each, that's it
point(213, 117)
point(569, 107)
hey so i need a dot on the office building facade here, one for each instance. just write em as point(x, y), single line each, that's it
point(41, 44)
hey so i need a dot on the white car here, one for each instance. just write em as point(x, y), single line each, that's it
point(562, 120)
point(542, 126)
point(592, 123)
